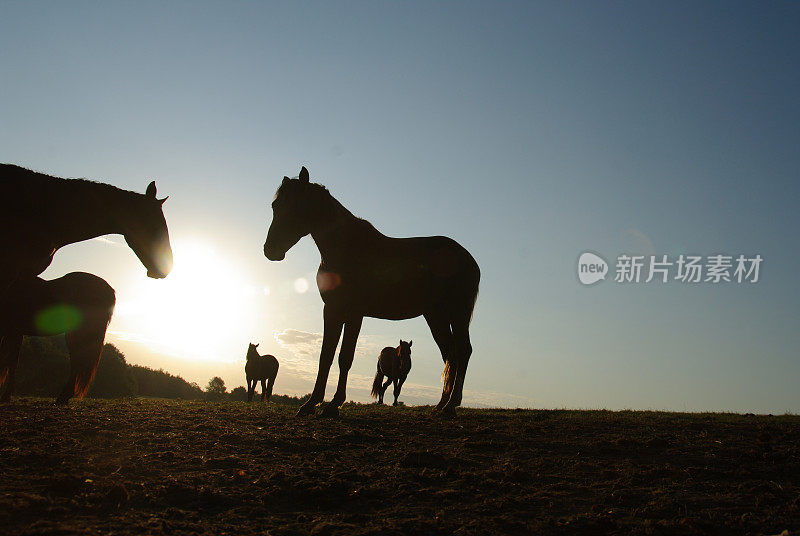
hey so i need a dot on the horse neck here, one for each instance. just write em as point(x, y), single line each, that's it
point(335, 226)
point(88, 209)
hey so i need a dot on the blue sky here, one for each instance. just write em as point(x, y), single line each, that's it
point(528, 132)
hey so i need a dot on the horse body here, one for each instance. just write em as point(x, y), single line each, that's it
point(365, 273)
point(395, 364)
point(263, 368)
point(78, 304)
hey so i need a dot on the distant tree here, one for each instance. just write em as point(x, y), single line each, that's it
point(239, 393)
point(114, 378)
point(215, 390)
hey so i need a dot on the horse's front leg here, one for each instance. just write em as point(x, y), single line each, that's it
point(333, 322)
point(351, 330)
point(398, 386)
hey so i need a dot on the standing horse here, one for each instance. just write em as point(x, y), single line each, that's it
point(78, 304)
point(365, 273)
point(260, 368)
point(40, 214)
point(395, 364)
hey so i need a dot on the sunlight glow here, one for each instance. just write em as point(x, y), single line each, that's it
point(205, 309)
point(301, 285)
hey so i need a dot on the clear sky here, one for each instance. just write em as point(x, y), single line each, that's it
point(529, 132)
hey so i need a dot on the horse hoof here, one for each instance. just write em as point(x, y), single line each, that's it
point(330, 411)
point(305, 410)
point(394, 404)
point(448, 412)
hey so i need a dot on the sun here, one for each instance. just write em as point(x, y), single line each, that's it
point(205, 309)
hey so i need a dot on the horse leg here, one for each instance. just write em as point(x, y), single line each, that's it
point(85, 344)
point(397, 389)
point(351, 330)
point(383, 389)
point(9, 358)
point(250, 388)
point(333, 322)
point(440, 329)
point(264, 390)
point(85, 348)
point(462, 351)
point(270, 383)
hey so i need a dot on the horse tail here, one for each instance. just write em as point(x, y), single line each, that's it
point(376, 383)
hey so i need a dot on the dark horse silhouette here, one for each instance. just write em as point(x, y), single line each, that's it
point(40, 214)
point(77, 304)
point(365, 273)
point(260, 368)
point(395, 364)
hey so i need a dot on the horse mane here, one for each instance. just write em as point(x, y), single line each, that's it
point(321, 194)
point(21, 179)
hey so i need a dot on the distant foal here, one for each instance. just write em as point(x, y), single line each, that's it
point(77, 304)
point(395, 364)
point(261, 368)
point(366, 273)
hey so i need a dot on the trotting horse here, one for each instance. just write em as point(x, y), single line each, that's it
point(40, 214)
point(365, 273)
point(78, 304)
point(261, 368)
point(395, 364)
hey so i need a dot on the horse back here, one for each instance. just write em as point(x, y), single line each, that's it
point(263, 367)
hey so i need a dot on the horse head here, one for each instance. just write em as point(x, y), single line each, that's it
point(251, 351)
point(404, 351)
point(145, 231)
point(292, 215)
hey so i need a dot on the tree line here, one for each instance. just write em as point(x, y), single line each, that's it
point(44, 363)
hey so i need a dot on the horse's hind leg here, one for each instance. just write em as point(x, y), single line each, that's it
point(270, 383)
point(85, 343)
point(264, 390)
point(462, 350)
point(85, 348)
point(440, 329)
point(9, 358)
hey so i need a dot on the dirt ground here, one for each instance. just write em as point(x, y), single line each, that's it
point(164, 467)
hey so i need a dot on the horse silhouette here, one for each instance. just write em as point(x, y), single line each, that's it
point(365, 273)
point(261, 368)
point(78, 304)
point(395, 364)
point(40, 214)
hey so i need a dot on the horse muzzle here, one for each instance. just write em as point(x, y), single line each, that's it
point(273, 255)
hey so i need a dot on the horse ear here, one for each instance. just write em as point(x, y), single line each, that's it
point(285, 178)
point(304, 175)
point(410, 343)
point(151, 190)
point(256, 345)
point(161, 201)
